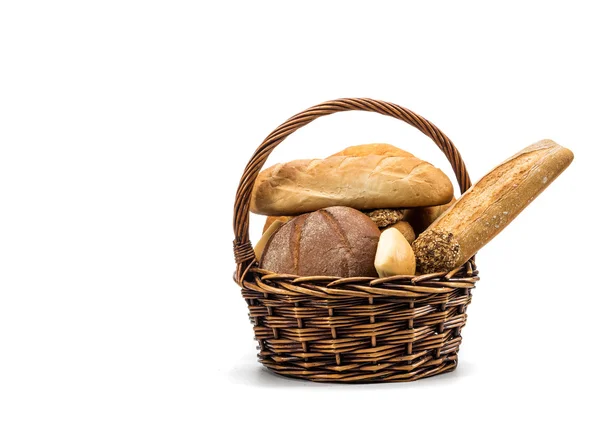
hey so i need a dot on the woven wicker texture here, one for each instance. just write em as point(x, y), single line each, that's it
point(399, 328)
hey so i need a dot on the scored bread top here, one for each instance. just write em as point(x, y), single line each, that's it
point(378, 149)
point(361, 182)
point(336, 241)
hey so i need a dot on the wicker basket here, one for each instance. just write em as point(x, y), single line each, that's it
point(330, 329)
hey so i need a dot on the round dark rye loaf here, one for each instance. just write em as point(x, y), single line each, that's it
point(334, 241)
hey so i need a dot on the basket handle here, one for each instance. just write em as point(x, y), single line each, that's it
point(242, 248)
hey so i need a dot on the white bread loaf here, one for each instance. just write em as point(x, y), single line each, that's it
point(360, 182)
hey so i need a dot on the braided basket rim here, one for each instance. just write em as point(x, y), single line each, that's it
point(464, 276)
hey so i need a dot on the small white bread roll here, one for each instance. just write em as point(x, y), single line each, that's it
point(394, 254)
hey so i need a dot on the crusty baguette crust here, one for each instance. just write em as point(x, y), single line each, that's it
point(360, 182)
point(489, 206)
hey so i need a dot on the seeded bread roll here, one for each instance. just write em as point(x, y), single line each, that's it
point(489, 206)
point(335, 241)
point(385, 216)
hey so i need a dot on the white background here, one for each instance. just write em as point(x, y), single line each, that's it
point(124, 129)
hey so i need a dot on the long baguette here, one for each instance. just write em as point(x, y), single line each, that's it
point(489, 206)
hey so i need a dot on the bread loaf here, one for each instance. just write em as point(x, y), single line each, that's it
point(262, 242)
point(405, 229)
point(489, 206)
point(271, 219)
point(377, 149)
point(394, 255)
point(385, 216)
point(336, 241)
point(422, 217)
point(364, 182)
point(381, 217)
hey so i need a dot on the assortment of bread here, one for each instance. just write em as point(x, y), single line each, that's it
point(375, 209)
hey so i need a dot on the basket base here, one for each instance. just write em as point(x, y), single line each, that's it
point(359, 330)
point(431, 368)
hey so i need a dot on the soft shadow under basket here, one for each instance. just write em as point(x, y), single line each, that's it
point(330, 329)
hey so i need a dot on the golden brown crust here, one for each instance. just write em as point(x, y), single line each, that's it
point(492, 203)
point(364, 183)
point(421, 218)
point(405, 229)
point(271, 219)
point(378, 149)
